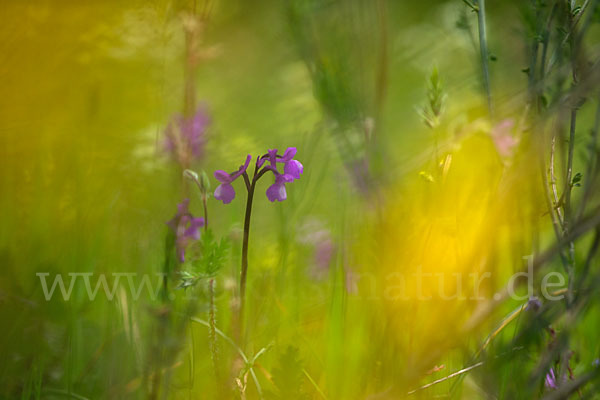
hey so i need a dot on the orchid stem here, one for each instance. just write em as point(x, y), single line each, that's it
point(244, 268)
point(250, 186)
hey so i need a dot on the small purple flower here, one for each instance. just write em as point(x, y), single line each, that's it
point(533, 304)
point(277, 190)
point(313, 233)
point(291, 168)
point(186, 228)
point(324, 252)
point(185, 136)
point(550, 381)
point(225, 191)
point(596, 363)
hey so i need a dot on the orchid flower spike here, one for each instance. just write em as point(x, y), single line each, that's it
point(292, 169)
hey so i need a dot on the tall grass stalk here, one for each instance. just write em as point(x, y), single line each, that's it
point(483, 49)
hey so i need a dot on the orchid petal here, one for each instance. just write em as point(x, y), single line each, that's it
point(242, 168)
point(193, 231)
point(288, 155)
point(225, 193)
point(293, 168)
point(272, 155)
point(276, 192)
point(223, 176)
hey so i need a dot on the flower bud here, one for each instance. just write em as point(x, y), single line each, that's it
point(188, 173)
point(204, 181)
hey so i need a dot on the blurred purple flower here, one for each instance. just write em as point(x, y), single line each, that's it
point(550, 381)
point(225, 191)
point(323, 254)
point(504, 141)
point(596, 362)
point(186, 228)
point(185, 136)
point(533, 304)
point(313, 233)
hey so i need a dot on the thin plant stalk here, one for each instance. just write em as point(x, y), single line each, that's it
point(244, 270)
point(545, 42)
point(205, 209)
point(212, 313)
point(592, 168)
point(241, 353)
point(212, 310)
point(484, 53)
point(192, 361)
point(567, 207)
point(553, 210)
point(250, 186)
point(212, 319)
point(568, 215)
point(553, 184)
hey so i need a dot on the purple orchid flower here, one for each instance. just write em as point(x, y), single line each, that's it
point(291, 167)
point(292, 170)
point(186, 228)
point(277, 190)
point(533, 304)
point(225, 191)
point(550, 381)
point(185, 136)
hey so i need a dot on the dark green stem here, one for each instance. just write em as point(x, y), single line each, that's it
point(205, 212)
point(484, 52)
point(568, 214)
point(244, 269)
point(568, 220)
point(250, 186)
